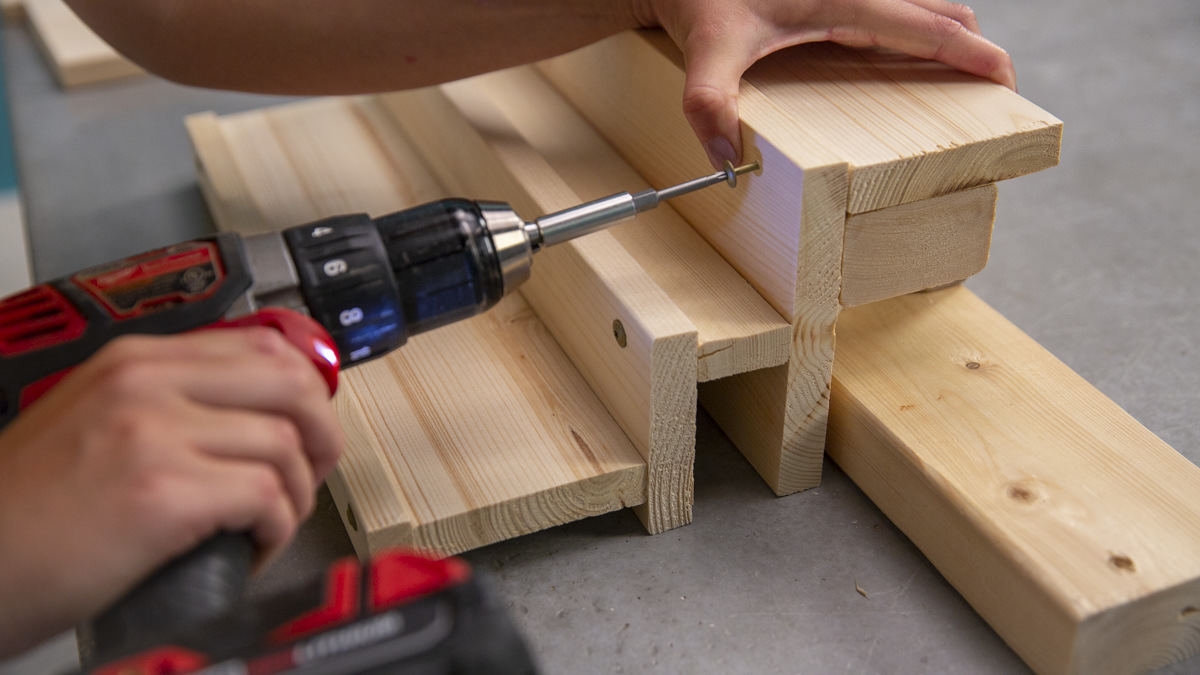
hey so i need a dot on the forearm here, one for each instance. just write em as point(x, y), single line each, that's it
point(345, 46)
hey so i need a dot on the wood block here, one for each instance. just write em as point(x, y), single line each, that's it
point(474, 433)
point(74, 52)
point(910, 129)
point(1073, 530)
point(916, 246)
point(783, 232)
point(838, 132)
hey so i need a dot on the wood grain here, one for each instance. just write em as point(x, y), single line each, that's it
point(915, 246)
point(737, 330)
point(1073, 530)
point(783, 232)
point(837, 132)
point(73, 51)
point(909, 128)
point(580, 289)
point(470, 434)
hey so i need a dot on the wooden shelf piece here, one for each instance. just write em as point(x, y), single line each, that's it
point(74, 52)
point(1073, 530)
point(782, 231)
point(468, 435)
point(510, 136)
point(916, 246)
point(910, 129)
point(838, 132)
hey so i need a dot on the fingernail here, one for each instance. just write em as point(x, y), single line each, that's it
point(719, 151)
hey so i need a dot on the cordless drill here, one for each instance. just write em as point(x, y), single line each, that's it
point(368, 283)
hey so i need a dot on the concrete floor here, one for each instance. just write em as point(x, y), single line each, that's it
point(1096, 259)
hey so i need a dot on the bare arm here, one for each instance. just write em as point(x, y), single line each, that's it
point(356, 46)
point(344, 46)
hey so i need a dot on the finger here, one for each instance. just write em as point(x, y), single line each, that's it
point(287, 385)
point(201, 496)
point(245, 497)
point(959, 12)
point(209, 343)
point(920, 32)
point(269, 439)
point(257, 502)
point(715, 63)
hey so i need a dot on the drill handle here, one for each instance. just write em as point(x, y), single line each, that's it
point(208, 580)
point(197, 586)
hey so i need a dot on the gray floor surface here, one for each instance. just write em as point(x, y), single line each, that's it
point(1096, 259)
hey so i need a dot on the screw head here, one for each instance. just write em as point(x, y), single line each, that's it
point(619, 332)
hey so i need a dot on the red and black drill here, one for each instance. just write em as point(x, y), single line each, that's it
point(369, 284)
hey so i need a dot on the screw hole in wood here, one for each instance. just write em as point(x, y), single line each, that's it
point(619, 332)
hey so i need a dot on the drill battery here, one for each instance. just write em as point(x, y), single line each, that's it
point(403, 613)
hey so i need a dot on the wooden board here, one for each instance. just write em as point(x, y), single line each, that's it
point(785, 232)
point(509, 135)
point(910, 129)
point(1068, 526)
point(580, 289)
point(916, 246)
point(74, 52)
point(737, 330)
point(474, 433)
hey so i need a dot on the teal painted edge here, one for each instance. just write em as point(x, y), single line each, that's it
point(8, 159)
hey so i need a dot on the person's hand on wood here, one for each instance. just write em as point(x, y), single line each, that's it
point(362, 46)
point(720, 39)
point(145, 450)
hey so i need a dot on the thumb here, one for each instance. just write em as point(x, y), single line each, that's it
point(710, 94)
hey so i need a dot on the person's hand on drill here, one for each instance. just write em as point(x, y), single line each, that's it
point(148, 448)
point(357, 46)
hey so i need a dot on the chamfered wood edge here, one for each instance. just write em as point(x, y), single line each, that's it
point(593, 496)
point(1121, 627)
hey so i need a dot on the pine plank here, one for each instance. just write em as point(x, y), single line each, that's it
point(1072, 529)
point(474, 433)
point(579, 289)
point(910, 129)
point(74, 52)
point(737, 330)
point(783, 232)
point(916, 246)
point(838, 132)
